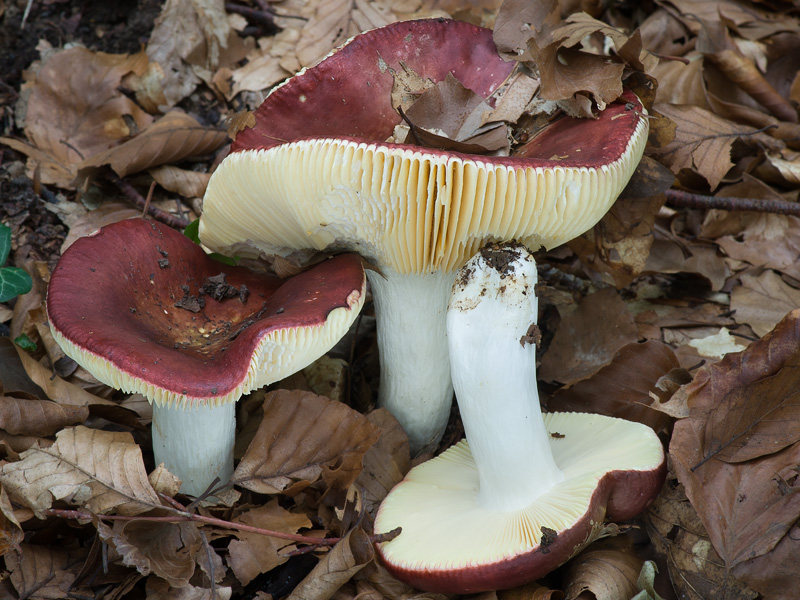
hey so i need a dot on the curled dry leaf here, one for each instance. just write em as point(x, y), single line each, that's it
point(336, 568)
point(170, 550)
point(607, 569)
point(304, 438)
point(40, 418)
point(42, 572)
point(761, 301)
point(75, 110)
point(173, 137)
point(189, 184)
point(99, 470)
point(744, 408)
point(680, 540)
point(250, 553)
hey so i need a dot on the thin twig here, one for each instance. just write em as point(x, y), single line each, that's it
point(681, 199)
point(137, 199)
point(183, 517)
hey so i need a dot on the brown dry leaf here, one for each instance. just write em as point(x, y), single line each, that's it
point(747, 508)
point(189, 184)
point(774, 575)
point(335, 21)
point(765, 240)
point(11, 534)
point(607, 569)
point(450, 116)
point(760, 416)
point(702, 142)
point(91, 221)
point(336, 568)
point(303, 438)
point(75, 109)
point(624, 387)
point(385, 463)
point(99, 470)
point(679, 538)
point(620, 243)
point(19, 416)
point(588, 337)
point(668, 255)
point(169, 550)
point(158, 589)
point(252, 554)
point(42, 572)
point(327, 376)
point(515, 22)
point(761, 301)
point(531, 591)
point(185, 46)
point(56, 388)
point(173, 137)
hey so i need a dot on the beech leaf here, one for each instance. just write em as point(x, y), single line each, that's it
point(172, 138)
point(40, 418)
point(41, 572)
point(607, 569)
point(304, 438)
point(100, 470)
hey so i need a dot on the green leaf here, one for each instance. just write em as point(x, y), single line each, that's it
point(192, 231)
point(13, 282)
point(24, 342)
point(5, 243)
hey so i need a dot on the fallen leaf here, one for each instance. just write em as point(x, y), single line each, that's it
point(159, 589)
point(42, 572)
point(169, 550)
point(99, 470)
point(173, 137)
point(20, 416)
point(304, 438)
point(761, 301)
point(11, 534)
point(336, 568)
point(251, 554)
point(624, 387)
point(702, 142)
point(588, 337)
point(189, 184)
point(607, 569)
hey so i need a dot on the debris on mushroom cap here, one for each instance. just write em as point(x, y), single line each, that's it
point(135, 305)
point(318, 158)
point(524, 492)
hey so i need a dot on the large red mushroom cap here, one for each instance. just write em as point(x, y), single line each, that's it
point(317, 170)
point(144, 309)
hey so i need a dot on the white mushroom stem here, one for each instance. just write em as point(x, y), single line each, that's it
point(491, 310)
point(195, 443)
point(415, 370)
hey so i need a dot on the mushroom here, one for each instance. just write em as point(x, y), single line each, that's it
point(145, 310)
point(316, 172)
point(524, 492)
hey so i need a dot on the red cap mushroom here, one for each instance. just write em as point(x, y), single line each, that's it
point(144, 309)
point(317, 172)
point(523, 493)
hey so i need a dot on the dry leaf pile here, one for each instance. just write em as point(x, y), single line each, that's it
point(678, 310)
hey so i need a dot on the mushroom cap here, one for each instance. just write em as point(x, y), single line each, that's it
point(317, 172)
point(450, 544)
point(125, 303)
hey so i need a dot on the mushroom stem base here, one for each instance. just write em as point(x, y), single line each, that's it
point(195, 443)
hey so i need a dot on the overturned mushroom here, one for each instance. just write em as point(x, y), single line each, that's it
point(317, 172)
point(144, 309)
point(523, 493)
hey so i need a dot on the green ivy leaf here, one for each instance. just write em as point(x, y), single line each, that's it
point(24, 342)
point(13, 282)
point(5, 243)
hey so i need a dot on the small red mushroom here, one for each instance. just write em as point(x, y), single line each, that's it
point(316, 171)
point(523, 493)
point(145, 310)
